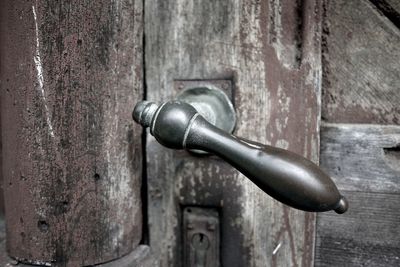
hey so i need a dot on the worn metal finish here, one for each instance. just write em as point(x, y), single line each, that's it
point(213, 104)
point(201, 237)
point(270, 50)
point(286, 176)
point(70, 71)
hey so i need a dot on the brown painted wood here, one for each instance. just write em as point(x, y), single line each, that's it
point(362, 157)
point(361, 59)
point(367, 235)
point(271, 52)
point(1, 173)
point(71, 72)
point(139, 257)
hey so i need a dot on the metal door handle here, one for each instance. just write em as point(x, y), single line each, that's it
point(286, 176)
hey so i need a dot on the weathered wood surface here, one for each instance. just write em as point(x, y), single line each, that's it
point(71, 72)
point(394, 4)
point(366, 235)
point(390, 9)
point(364, 160)
point(362, 157)
point(271, 52)
point(361, 77)
point(361, 56)
point(1, 173)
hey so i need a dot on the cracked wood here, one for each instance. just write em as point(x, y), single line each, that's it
point(271, 52)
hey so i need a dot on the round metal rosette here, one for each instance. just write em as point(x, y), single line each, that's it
point(213, 104)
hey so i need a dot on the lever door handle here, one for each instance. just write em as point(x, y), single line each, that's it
point(286, 176)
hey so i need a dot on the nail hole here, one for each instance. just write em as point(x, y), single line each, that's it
point(96, 176)
point(61, 207)
point(392, 156)
point(79, 42)
point(43, 226)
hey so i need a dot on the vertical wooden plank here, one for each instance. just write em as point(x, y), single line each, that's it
point(1, 171)
point(71, 72)
point(271, 52)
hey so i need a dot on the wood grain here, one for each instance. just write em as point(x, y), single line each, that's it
point(364, 160)
point(389, 9)
point(361, 66)
point(271, 52)
point(367, 235)
point(71, 72)
point(394, 4)
point(362, 157)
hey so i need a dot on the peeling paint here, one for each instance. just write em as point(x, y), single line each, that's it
point(40, 79)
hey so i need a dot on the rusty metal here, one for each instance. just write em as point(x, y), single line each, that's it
point(201, 237)
point(284, 175)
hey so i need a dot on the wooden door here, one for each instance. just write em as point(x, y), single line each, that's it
point(360, 134)
point(268, 55)
point(309, 76)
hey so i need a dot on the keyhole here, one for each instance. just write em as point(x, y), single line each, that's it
point(200, 241)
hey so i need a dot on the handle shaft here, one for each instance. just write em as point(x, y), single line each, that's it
point(286, 176)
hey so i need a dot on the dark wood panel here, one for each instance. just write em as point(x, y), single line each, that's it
point(362, 157)
point(270, 50)
point(389, 9)
point(71, 72)
point(361, 66)
point(1, 172)
point(395, 4)
point(367, 235)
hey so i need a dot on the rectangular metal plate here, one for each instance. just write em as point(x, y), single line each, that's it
point(223, 85)
point(201, 237)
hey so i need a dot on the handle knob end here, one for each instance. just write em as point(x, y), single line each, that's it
point(342, 206)
point(144, 112)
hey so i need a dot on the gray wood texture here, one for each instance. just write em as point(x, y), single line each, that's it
point(361, 56)
point(394, 4)
point(361, 66)
point(362, 157)
point(364, 160)
point(271, 52)
point(367, 235)
point(71, 72)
